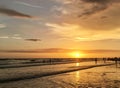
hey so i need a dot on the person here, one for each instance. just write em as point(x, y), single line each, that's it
point(119, 61)
point(95, 60)
point(104, 59)
point(116, 61)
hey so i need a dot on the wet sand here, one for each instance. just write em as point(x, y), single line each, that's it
point(99, 77)
point(71, 75)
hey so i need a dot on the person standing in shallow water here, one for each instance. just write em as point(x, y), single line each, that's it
point(104, 60)
point(119, 60)
point(116, 61)
point(95, 60)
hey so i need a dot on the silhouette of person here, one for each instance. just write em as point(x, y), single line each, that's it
point(95, 60)
point(116, 61)
point(104, 59)
point(119, 61)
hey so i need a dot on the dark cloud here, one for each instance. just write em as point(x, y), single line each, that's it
point(34, 40)
point(58, 50)
point(97, 1)
point(94, 14)
point(48, 50)
point(97, 6)
point(93, 10)
point(14, 13)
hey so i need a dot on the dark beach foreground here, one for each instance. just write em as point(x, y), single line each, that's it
point(71, 75)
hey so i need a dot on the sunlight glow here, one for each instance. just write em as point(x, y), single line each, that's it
point(77, 54)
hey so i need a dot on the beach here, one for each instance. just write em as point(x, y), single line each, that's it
point(68, 75)
point(59, 43)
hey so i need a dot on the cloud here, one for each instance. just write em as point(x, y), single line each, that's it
point(33, 40)
point(12, 37)
point(93, 10)
point(4, 37)
point(60, 10)
point(14, 13)
point(59, 50)
point(87, 40)
point(18, 37)
point(101, 51)
point(2, 26)
point(48, 50)
point(75, 32)
point(64, 1)
point(98, 6)
point(100, 1)
point(96, 1)
point(95, 6)
point(27, 4)
point(93, 14)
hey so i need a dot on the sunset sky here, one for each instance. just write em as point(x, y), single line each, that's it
point(58, 28)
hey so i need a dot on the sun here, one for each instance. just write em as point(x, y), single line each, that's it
point(77, 54)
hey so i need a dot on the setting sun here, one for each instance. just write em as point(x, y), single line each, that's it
point(77, 54)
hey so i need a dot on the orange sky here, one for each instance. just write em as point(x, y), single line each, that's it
point(56, 28)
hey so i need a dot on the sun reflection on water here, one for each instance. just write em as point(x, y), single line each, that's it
point(77, 64)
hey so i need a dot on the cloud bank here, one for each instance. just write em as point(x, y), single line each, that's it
point(58, 50)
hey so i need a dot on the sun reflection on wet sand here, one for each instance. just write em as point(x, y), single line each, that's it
point(77, 78)
point(77, 74)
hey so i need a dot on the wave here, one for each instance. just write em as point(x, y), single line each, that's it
point(30, 65)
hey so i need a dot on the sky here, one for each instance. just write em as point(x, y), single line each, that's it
point(58, 28)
